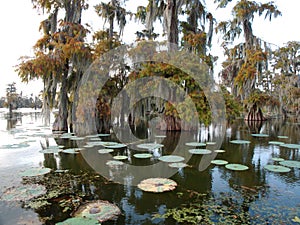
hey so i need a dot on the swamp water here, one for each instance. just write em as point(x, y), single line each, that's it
point(212, 194)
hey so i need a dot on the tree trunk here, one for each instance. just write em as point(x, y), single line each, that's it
point(61, 121)
point(255, 114)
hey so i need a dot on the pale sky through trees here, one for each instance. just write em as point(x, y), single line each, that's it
point(20, 23)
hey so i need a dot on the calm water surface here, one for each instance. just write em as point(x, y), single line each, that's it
point(277, 194)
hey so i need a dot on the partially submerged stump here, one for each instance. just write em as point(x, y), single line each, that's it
point(255, 114)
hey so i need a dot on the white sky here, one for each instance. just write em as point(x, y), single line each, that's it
point(20, 23)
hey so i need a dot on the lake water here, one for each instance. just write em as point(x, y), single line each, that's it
point(253, 196)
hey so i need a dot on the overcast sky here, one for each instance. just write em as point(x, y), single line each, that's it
point(20, 23)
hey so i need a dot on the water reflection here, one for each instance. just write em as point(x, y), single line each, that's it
point(249, 190)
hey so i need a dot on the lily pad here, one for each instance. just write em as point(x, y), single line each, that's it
point(283, 137)
point(171, 158)
point(276, 142)
point(91, 136)
point(178, 165)
point(240, 142)
point(103, 135)
point(23, 193)
point(195, 144)
point(160, 136)
point(98, 210)
point(117, 146)
point(95, 139)
point(157, 185)
point(260, 135)
point(294, 146)
point(277, 168)
point(219, 151)
point(219, 162)
point(150, 146)
point(79, 221)
point(114, 163)
point(72, 150)
point(120, 157)
point(277, 159)
point(77, 138)
point(200, 151)
point(35, 172)
point(290, 163)
point(237, 167)
point(105, 150)
point(142, 155)
point(211, 143)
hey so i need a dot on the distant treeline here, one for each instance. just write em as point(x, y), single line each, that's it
point(22, 102)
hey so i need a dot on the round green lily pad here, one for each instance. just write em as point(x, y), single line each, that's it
point(157, 185)
point(23, 193)
point(260, 135)
point(35, 172)
point(276, 143)
point(178, 165)
point(277, 159)
point(200, 151)
point(219, 151)
point(105, 150)
point(277, 168)
point(171, 158)
point(103, 135)
point(98, 210)
point(211, 143)
point(240, 142)
point(219, 162)
point(78, 221)
point(120, 157)
point(195, 144)
point(290, 163)
point(72, 150)
point(95, 139)
point(117, 146)
point(142, 155)
point(294, 146)
point(150, 146)
point(114, 163)
point(88, 146)
point(108, 143)
point(91, 136)
point(237, 167)
point(74, 138)
point(95, 143)
point(160, 136)
point(283, 137)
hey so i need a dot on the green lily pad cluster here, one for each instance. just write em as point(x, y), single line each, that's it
point(236, 167)
point(98, 210)
point(23, 193)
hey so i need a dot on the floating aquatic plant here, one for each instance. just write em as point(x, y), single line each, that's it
point(120, 157)
point(79, 221)
point(98, 210)
point(277, 159)
point(150, 146)
point(74, 138)
point(160, 136)
point(142, 155)
point(240, 142)
point(72, 150)
point(276, 142)
point(103, 135)
point(105, 150)
point(237, 167)
point(290, 163)
point(277, 168)
point(35, 172)
point(95, 139)
point(171, 158)
point(260, 135)
point(211, 143)
point(219, 151)
point(114, 163)
point(178, 165)
point(200, 151)
point(219, 162)
point(195, 144)
point(283, 137)
point(294, 146)
point(157, 185)
point(23, 193)
point(117, 146)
